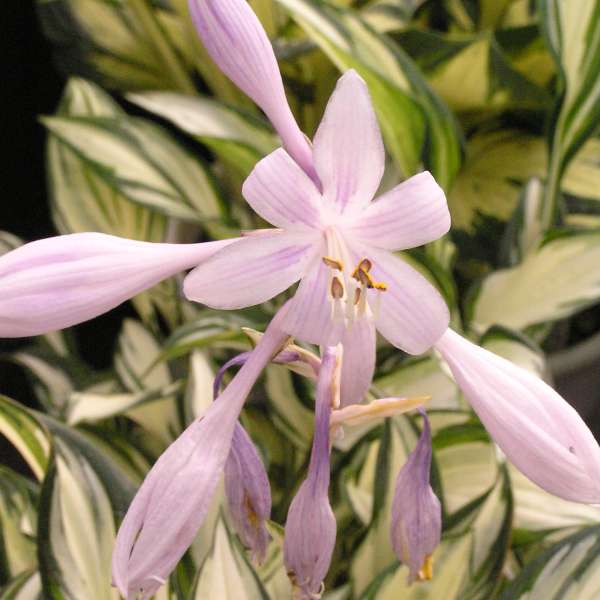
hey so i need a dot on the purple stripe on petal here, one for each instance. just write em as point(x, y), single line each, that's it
point(310, 529)
point(416, 510)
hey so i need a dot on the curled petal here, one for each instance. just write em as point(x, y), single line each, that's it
point(175, 495)
point(413, 213)
point(310, 529)
point(251, 271)
point(540, 433)
point(410, 314)
point(237, 42)
point(282, 194)
point(416, 511)
point(60, 281)
point(248, 493)
point(348, 149)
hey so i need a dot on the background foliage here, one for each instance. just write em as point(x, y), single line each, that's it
point(500, 100)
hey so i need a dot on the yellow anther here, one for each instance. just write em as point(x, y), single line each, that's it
point(426, 571)
point(333, 263)
point(365, 264)
point(379, 285)
point(337, 288)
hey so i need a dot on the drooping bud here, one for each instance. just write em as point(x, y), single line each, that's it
point(310, 529)
point(248, 494)
point(416, 511)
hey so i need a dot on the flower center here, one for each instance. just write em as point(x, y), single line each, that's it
point(348, 289)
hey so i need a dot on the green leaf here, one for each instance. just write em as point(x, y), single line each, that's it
point(77, 530)
point(569, 569)
point(410, 114)
point(18, 524)
point(26, 586)
point(8, 242)
point(556, 281)
point(140, 161)
point(26, 434)
point(226, 573)
point(209, 120)
point(572, 32)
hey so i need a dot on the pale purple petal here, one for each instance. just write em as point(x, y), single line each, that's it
point(282, 194)
point(416, 511)
point(60, 281)
point(358, 364)
point(248, 494)
point(310, 529)
point(174, 498)
point(411, 314)
point(540, 433)
point(237, 42)
point(413, 213)
point(251, 271)
point(348, 150)
point(309, 317)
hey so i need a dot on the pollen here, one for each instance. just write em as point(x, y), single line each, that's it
point(426, 571)
point(333, 263)
point(362, 275)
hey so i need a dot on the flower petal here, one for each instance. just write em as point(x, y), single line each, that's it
point(540, 433)
point(310, 528)
point(251, 271)
point(348, 150)
point(358, 363)
point(413, 213)
point(309, 317)
point(57, 282)
point(416, 511)
point(411, 314)
point(282, 194)
point(237, 42)
point(175, 496)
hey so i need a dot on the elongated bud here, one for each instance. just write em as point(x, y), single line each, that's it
point(310, 529)
point(60, 281)
point(237, 42)
point(176, 494)
point(416, 511)
point(540, 433)
point(248, 494)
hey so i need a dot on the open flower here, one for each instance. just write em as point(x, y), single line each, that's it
point(540, 433)
point(338, 243)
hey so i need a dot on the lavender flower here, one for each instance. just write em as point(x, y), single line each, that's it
point(310, 528)
point(60, 281)
point(416, 511)
point(541, 434)
point(173, 500)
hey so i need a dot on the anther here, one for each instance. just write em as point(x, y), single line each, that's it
point(337, 288)
point(426, 571)
point(333, 263)
point(356, 295)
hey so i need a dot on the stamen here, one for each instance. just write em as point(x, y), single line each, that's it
point(337, 289)
point(426, 571)
point(361, 274)
point(365, 265)
point(356, 296)
point(333, 263)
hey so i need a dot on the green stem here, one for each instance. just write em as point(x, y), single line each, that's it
point(164, 50)
point(550, 204)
